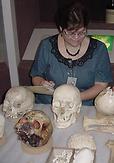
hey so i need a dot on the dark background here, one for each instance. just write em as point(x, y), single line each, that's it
point(96, 8)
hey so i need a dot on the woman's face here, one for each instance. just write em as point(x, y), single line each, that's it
point(74, 37)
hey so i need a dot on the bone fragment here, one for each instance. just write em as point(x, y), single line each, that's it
point(105, 124)
point(110, 144)
point(40, 90)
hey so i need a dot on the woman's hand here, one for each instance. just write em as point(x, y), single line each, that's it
point(48, 84)
point(41, 81)
point(37, 80)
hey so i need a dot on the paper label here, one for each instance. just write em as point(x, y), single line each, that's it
point(71, 80)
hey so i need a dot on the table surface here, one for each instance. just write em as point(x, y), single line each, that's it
point(12, 152)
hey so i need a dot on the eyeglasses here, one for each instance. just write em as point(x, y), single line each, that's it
point(74, 34)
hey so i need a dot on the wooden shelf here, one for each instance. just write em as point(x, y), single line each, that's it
point(92, 25)
point(101, 25)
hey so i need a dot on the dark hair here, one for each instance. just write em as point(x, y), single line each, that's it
point(71, 15)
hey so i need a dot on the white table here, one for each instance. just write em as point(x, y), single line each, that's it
point(12, 152)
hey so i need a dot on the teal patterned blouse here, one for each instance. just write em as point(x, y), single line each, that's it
point(93, 66)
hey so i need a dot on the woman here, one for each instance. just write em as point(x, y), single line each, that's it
point(72, 57)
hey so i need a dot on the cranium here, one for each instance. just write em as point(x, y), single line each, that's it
point(66, 105)
point(104, 102)
point(17, 101)
point(34, 128)
point(2, 125)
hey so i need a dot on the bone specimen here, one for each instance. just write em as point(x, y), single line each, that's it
point(70, 155)
point(34, 128)
point(104, 102)
point(63, 157)
point(66, 105)
point(18, 100)
point(40, 89)
point(110, 144)
point(105, 124)
point(79, 141)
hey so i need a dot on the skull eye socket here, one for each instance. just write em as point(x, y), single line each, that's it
point(56, 104)
point(36, 124)
point(44, 126)
point(6, 103)
point(70, 104)
point(17, 105)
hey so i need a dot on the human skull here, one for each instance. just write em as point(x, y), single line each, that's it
point(34, 128)
point(104, 102)
point(66, 105)
point(2, 125)
point(17, 101)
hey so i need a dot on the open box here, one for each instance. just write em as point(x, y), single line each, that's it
point(63, 155)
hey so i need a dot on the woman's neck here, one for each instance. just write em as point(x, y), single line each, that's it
point(73, 52)
point(71, 48)
point(62, 48)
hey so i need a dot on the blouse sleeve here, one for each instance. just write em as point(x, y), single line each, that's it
point(40, 62)
point(103, 70)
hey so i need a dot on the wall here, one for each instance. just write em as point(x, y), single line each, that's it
point(4, 72)
point(2, 41)
point(26, 18)
point(96, 9)
point(47, 11)
point(4, 80)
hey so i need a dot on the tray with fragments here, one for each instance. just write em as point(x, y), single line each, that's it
point(69, 155)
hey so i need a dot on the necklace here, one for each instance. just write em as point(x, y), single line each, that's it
point(74, 53)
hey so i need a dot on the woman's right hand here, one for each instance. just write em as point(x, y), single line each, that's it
point(48, 84)
point(37, 80)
